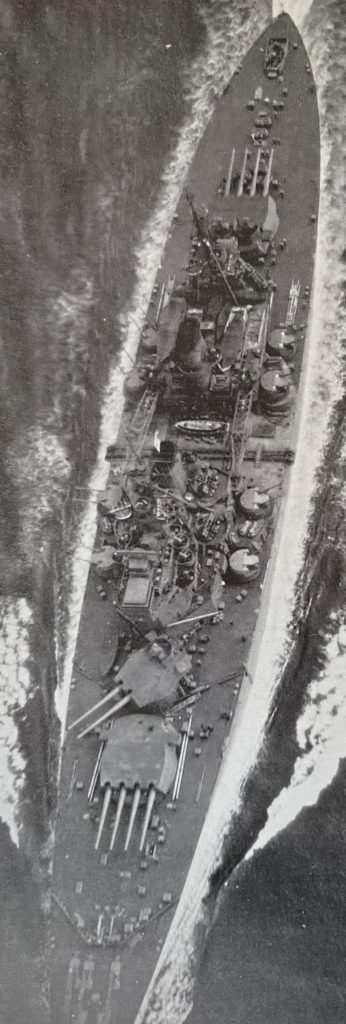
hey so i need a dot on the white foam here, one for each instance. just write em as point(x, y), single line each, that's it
point(39, 466)
point(14, 688)
point(321, 736)
point(297, 9)
point(112, 410)
point(41, 469)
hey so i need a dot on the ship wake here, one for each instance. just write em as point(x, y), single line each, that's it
point(14, 688)
point(320, 729)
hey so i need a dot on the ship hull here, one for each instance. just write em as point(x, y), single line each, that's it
point(97, 893)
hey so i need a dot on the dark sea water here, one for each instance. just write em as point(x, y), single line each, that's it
point(96, 101)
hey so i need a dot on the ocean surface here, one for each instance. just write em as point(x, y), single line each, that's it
point(101, 108)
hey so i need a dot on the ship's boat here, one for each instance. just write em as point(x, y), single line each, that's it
point(185, 531)
point(200, 426)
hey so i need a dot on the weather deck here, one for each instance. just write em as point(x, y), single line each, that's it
point(91, 885)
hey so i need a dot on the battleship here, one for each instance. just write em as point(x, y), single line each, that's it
point(198, 473)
